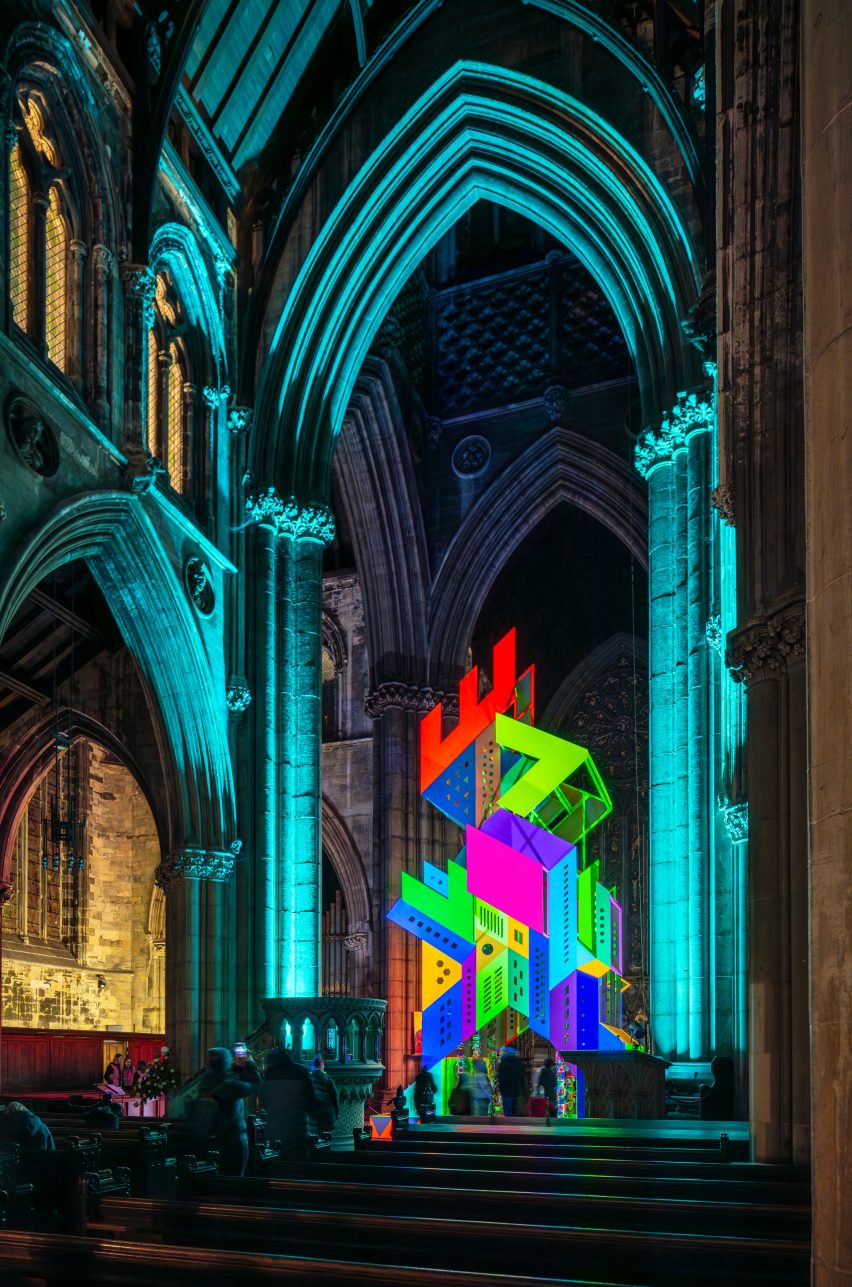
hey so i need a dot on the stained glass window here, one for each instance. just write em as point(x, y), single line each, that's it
point(19, 226)
point(56, 270)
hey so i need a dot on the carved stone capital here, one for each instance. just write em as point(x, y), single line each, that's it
point(713, 631)
point(401, 696)
point(139, 281)
point(722, 500)
point(289, 518)
point(239, 419)
point(197, 864)
point(103, 263)
point(769, 646)
point(355, 943)
point(212, 396)
point(692, 414)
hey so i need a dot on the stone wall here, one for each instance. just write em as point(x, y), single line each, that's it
point(106, 968)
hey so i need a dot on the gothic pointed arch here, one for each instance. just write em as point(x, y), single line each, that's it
point(31, 758)
point(487, 132)
point(175, 250)
point(378, 490)
point(115, 536)
point(562, 466)
point(348, 866)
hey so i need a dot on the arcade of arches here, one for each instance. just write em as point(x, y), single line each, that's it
point(338, 339)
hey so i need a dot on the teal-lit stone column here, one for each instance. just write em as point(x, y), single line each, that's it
point(140, 285)
point(303, 531)
point(198, 887)
point(676, 461)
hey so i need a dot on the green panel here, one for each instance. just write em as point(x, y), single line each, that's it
point(492, 988)
point(586, 883)
point(455, 912)
point(603, 925)
point(519, 982)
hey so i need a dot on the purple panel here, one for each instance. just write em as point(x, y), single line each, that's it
point(528, 839)
point(507, 880)
point(468, 997)
point(563, 1014)
point(539, 1016)
point(442, 1026)
point(617, 923)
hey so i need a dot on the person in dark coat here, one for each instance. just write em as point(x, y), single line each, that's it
point(510, 1079)
point(289, 1099)
point(220, 1113)
point(112, 1075)
point(424, 1093)
point(460, 1099)
point(547, 1082)
point(326, 1092)
point(19, 1126)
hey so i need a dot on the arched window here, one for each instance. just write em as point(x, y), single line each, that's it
point(39, 278)
point(20, 208)
point(56, 281)
point(175, 454)
point(168, 430)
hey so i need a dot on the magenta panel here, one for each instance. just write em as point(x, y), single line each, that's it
point(510, 881)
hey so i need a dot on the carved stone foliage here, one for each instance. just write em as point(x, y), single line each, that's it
point(142, 469)
point(692, 413)
point(494, 338)
point(32, 439)
point(398, 695)
point(722, 500)
point(238, 696)
point(239, 419)
point(199, 585)
point(197, 864)
point(289, 518)
point(769, 646)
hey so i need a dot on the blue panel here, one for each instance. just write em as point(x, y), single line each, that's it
point(454, 790)
point(539, 986)
point(436, 879)
point(416, 923)
point(587, 1006)
point(442, 1026)
point(562, 918)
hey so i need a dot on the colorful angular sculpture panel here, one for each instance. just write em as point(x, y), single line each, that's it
point(519, 922)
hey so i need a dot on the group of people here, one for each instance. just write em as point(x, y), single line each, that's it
point(124, 1075)
point(473, 1092)
point(293, 1099)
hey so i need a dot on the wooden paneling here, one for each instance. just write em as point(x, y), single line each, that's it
point(62, 1060)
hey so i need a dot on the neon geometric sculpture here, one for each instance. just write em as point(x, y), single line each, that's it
point(519, 923)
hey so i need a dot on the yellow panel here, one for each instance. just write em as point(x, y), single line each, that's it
point(620, 1033)
point(596, 968)
point(488, 948)
point(440, 972)
point(519, 937)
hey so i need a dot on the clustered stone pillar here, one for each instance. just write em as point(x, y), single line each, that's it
point(761, 467)
point(140, 286)
point(696, 877)
point(396, 709)
point(826, 64)
point(198, 888)
point(286, 594)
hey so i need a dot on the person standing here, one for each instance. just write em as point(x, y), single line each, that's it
point(219, 1113)
point(326, 1094)
point(547, 1083)
point(128, 1072)
point(424, 1093)
point(481, 1092)
point(510, 1078)
point(112, 1075)
point(461, 1103)
point(288, 1098)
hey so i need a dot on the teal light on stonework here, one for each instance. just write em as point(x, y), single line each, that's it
point(481, 132)
point(696, 735)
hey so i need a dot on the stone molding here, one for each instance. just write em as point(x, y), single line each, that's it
point(289, 518)
point(769, 646)
point(197, 864)
point(398, 695)
point(693, 413)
